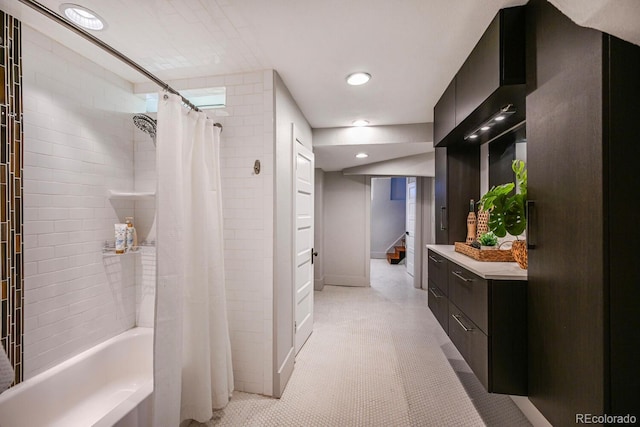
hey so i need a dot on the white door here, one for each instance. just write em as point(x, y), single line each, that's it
point(411, 223)
point(303, 245)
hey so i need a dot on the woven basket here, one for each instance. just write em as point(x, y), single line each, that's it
point(496, 255)
point(520, 253)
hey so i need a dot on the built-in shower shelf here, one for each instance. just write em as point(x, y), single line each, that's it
point(132, 195)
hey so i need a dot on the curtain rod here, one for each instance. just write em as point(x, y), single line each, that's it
point(110, 50)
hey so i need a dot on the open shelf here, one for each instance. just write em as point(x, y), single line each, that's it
point(132, 195)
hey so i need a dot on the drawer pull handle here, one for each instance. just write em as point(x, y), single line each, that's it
point(434, 259)
point(456, 317)
point(459, 275)
point(433, 291)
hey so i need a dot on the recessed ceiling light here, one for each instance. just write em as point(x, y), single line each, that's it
point(499, 118)
point(362, 155)
point(359, 78)
point(83, 17)
point(474, 136)
point(360, 122)
point(485, 128)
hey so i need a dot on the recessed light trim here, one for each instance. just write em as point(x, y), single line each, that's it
point(362, 155)
point(360, 122)
point(358, 78)
point(83, 17)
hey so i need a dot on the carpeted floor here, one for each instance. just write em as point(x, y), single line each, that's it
point(376, 357)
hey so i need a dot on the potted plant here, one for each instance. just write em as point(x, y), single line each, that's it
point(507, 213)
point(488, 241)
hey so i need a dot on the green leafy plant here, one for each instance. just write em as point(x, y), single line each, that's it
point(488, 239)
point(507, 208)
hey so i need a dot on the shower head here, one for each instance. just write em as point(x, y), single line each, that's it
point(146, 124)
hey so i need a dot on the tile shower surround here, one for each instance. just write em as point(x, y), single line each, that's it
point(79, 143)
point(11, 212)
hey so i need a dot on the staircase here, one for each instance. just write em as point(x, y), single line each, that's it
point(397, 255)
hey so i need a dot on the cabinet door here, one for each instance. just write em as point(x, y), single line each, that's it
point(438, 271)
point(444, 114)
point(442, 235)
point(439, 306)
point(565, 294)
point(471, 342)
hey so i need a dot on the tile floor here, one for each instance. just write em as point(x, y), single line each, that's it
point(377, 357)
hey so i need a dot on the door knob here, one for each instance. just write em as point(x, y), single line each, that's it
point(313, 254)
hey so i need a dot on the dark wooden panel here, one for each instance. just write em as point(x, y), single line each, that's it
point(564, 153)
point(479, 76)
point(439, 306)
point(472, 344)
point(508, 337)
point(442, 234)
point(622, 181)
point(444, 113)
point(471, 294)
point(438, 271)
point(463, 184)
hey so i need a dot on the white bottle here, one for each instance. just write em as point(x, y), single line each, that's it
point(132, 236)
point(121, 238)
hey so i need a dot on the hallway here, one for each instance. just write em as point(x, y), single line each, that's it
point(377, 357)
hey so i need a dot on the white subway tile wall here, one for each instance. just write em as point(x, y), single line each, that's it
point(248, 136)
point(78, 145)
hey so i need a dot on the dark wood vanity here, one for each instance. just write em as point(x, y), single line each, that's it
point(483, 308)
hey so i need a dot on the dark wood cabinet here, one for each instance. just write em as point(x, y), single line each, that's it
point(492, 77)
point(457, 182)
point(584, 285)
point(486, 321)
point(438, 288)
point(444, 113)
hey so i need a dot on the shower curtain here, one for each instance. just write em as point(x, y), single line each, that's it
point(193, 373)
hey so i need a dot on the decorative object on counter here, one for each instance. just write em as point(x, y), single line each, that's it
point(471, 223)
point(497, 255)
point(483, 222)
point(488, 241)
point(520, 253)
point(507, 210)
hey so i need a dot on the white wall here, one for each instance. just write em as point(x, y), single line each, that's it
point(248, 200)
point(418, 165)
point(388, 217)
point(287, 114)
point(347, 209)
point(318, 231)
point(78, 144)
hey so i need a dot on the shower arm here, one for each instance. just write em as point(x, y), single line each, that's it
point(107, 48)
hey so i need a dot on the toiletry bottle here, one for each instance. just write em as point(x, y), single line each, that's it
point(121, 238)
point(471, 224)
point(132, 236)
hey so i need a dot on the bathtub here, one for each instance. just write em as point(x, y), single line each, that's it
point(109, 384)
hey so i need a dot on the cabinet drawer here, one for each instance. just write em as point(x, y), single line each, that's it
point(439, 306)
point(471, 342)
point(470, 293)
point(438, 271)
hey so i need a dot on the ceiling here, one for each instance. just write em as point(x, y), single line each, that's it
point(412, 48)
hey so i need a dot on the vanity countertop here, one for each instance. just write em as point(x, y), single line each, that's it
point(486, 270)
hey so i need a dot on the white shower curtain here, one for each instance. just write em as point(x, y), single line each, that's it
point(192, 353)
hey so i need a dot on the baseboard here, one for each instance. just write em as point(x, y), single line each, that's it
point(346, 280)
point(281, 378)
point(318, 284)
point(529, 410)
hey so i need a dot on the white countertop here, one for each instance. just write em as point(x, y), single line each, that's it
point(486, 270)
